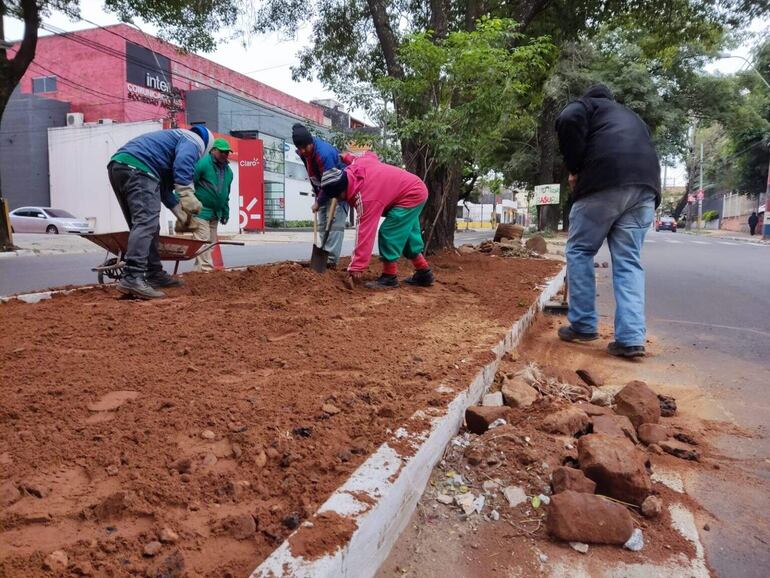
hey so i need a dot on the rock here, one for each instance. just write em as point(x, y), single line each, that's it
point(57, 561)
point(112, 400)
point(209, 460)
point(685, 438)
point(591, 409)
point(615, 425)
point(493, 399)
point(466, 249)
point(576, 517)
point(182, 465)
point(241, 526)
point(112, 470)
point(537, 244)
point(518, 393)
point(152, 548)
point(579, 547)
point(680, 450)
point(467, 502)
point(570, 421)
point(9, 494)
point(478, 418)
point(490, 486)
point(638, 402)
point(330, 409)
point(237, 451)
point(667, 405)
point(83, 568)
point(652, 507)
point(636, 542)
point(168, 536)
point(207, 434)
point(590, 378)
point(494, 515)
point(515, 495)
point(444, 499)
point(33, 489)
point(602, 397)
point(561, 375)
point(654, 449)
point(616, 466)
point(564, 479)
point(652, 433)
point(291, 521)
point(112, 507)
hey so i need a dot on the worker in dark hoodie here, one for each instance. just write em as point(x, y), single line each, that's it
point(614, 176)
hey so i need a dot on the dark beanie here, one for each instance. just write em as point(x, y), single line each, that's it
point(300, 135)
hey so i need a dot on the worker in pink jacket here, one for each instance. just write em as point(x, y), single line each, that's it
point(377, 189)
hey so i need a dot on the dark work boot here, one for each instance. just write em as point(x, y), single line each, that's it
point(159, 279)
point(566, 333)
point(383, 282)
point(134, 284)
point(421, 278)
point(620, 350)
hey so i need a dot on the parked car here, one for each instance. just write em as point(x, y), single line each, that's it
point(47, 220)
point(666, 224)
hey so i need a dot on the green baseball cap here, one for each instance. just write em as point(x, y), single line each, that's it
point(222, 145)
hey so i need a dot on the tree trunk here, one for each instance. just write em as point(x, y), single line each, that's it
point(547, 215)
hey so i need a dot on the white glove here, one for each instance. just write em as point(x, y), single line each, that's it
point(184, 220)
point(187, 198)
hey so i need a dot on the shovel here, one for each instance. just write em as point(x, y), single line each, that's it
point(320, 256)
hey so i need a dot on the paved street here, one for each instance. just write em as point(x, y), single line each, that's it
point(708, 304)
point(38, 273)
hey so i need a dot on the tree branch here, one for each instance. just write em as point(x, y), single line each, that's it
point(386, 36)
point(26, 53)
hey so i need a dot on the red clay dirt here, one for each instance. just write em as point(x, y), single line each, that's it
point(200, 416)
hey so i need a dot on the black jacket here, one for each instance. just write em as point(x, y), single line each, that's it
point(606, 144)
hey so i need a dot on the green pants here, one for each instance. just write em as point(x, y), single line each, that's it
point(400, 233)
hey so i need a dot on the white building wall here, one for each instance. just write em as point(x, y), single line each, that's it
point(299, 199)
point(78, 158)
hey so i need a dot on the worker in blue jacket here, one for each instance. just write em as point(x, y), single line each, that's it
point(147, 170)
point(319, 156)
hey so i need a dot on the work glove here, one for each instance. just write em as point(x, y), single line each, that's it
point(185, 223)
point(187, 198)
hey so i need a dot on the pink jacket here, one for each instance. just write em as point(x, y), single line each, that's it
point(374, 188)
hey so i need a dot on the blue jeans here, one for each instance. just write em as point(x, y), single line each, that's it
point(622, 216)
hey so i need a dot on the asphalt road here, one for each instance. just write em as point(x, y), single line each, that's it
point(708, 307)
point(42, 272)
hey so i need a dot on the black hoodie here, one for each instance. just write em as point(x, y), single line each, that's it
point(606, 144)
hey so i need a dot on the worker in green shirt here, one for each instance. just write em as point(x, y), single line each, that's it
point(213, 178)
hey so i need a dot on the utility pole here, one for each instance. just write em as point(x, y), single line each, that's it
point(700, 189)
point(766, 224)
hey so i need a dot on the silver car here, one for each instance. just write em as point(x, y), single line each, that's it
point(47, 220)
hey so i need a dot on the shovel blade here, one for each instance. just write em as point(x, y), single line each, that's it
point(319, 259)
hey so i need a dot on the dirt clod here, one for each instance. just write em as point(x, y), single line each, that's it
point(9, 494)
point(652, 507)
point(667, 405)
point(478, 418)
point(152, 549)
point(168, 536)
point(56, 561)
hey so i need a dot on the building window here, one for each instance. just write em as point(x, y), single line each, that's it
point(44, 84)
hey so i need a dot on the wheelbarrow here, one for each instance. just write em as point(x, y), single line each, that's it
point(170, 249)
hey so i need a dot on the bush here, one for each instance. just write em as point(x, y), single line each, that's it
point(710, 216)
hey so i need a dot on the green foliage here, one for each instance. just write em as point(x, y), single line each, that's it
point(710, 216)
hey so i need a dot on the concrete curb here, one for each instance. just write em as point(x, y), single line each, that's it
point(383, 492)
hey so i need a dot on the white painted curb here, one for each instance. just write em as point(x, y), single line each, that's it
point(394, 483)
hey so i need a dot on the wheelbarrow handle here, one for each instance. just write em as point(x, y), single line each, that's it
point(205, 248)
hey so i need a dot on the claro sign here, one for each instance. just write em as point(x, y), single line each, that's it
point(148, 76)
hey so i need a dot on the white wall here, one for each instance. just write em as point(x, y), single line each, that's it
point(78, 158)
point(299, 199)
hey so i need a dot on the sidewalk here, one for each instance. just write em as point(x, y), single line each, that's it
point(729, 235)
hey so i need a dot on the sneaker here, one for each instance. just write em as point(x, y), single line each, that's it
point(136, 285)
point(383, 282)
point(159, 279)
point(421, 278)
point(566, 333)
point(620, 350)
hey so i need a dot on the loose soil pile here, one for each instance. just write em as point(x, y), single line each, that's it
point(189, 436)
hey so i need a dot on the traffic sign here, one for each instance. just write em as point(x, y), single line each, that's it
point(700, 195)
point(690, 198)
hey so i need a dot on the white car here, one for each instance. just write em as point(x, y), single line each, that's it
point(47, 220)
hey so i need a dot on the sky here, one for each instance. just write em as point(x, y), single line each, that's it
point(268, 58)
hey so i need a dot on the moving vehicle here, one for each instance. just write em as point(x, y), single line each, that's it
point(666, 224)
point(47, 220)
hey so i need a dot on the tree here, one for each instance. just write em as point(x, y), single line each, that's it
point(190, 26)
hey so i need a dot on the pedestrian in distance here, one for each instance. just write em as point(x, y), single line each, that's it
point(213, 179)
point(614, 177)
point(149, 169)
point(376, 189)
point(753, 220)
point(319, 156)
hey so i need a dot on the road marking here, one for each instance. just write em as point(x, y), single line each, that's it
point(672, 241)
point(712, 325)
point(701, 242)
point(649, 241)
point(728, 243)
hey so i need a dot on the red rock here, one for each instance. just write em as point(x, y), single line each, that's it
point(652, 507)
point(537, 244)
point(652, 433)
point(561, 375)
point(667, 405)
point(616, 466)
point(478, 418)
point(564, 479)
point(590, 378)
point(615, 425)
point(9, 494)
point(241, 526)
point(518, 393)
point(592, 410)
point(680, 450)
point(570, 421)
point(638, 402)
point(576, 517)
